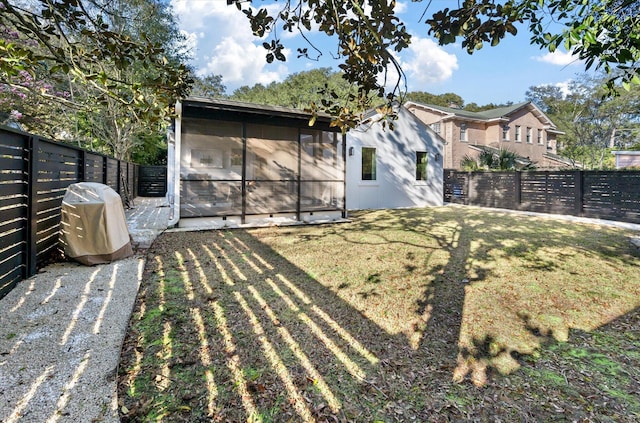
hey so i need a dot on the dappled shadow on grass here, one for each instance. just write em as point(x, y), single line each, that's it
point(226, 329)
point(479, 272)
point(357, 322)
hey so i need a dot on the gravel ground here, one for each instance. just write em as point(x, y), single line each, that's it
point(61, 332)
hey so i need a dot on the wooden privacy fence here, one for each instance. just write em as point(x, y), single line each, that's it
point(612, 195)
point(152, 181)
point(34, 175)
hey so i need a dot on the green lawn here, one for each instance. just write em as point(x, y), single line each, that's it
point(406, 315)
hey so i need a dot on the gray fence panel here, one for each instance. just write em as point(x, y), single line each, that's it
point(613, 195)
point(13, 209)
point(34, 175)
point(548, 192)
point(152, 181)
point(94, 168)
point(492, 190)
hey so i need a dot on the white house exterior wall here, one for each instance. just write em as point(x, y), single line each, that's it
point(395, 185)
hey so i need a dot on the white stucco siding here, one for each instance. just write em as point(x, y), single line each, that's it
point(395, 185)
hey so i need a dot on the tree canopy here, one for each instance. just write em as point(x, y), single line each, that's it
point(208, 86)
point(592, 122)
point(302, 89)
point(105, 71)
point(605, 34)
point(299, 90)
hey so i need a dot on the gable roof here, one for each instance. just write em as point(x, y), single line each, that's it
point(372, 115)
point(499, 113)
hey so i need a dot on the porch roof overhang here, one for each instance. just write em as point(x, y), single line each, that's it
point(207, 108)
point(554, 131)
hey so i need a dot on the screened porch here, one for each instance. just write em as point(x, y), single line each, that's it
point(242, 168)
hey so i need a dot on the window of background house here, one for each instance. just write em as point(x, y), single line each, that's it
point(540, 140)
point(529, 135)
point(463, 132)
point(421, 165)
point(505, 133)
point(368, 164)
point(517, 133)
point(436, 127)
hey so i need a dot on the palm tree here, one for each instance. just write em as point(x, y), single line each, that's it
point(469, 164)
point(488, 160)
point(506, 160)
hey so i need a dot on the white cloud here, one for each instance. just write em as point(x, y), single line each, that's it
point(190, 44)
point(425, 63)
point(222, 43)
point(238, 61)
point(401, 7)
point(558, 58)
point(565, 87)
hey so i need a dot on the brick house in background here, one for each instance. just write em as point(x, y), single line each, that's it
point(522, 128)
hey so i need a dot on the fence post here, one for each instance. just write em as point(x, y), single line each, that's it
point(104, 170)
point(136, 179)
point(81, 166)
point(118, 177)
point(579, 189)
point(518, 186)
point(31, 247)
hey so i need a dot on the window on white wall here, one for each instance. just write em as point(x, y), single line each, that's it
point(421, 165)
point(368, 164)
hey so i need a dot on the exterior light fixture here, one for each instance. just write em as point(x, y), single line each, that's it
point(351, 151)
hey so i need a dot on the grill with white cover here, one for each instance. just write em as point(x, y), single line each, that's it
point(93, 224)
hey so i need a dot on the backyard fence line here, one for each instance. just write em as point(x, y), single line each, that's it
point(34, 175)
point(611, 195)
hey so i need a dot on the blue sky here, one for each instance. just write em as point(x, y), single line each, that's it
point(221, 43)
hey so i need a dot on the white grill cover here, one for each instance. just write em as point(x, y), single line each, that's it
point(93, 224)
